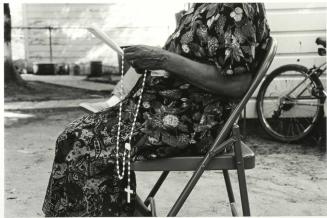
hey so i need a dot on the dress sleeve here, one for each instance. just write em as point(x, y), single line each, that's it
point(236, 34)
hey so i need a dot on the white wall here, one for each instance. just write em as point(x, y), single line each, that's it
point(128, 23)
point(18, 36)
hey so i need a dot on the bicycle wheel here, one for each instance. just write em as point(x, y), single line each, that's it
point(286, 104)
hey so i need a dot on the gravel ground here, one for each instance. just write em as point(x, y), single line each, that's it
point(287, 180)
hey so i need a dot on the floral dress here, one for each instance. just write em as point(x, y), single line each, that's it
point(175, 118)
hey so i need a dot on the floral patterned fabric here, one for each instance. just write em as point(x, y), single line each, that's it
point(175, 118)
point(224, 34)
point(83, 180)
point(179, 118)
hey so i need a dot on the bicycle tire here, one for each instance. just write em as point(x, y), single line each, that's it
point(261, 97)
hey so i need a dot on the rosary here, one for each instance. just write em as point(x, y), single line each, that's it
point(127, 147)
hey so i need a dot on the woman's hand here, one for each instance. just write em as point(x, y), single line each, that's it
point(202, 75)
point(146, 57)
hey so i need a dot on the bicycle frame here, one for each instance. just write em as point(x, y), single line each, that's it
point(321, 69)
point(315, 70)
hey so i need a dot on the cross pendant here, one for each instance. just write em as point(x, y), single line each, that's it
point(127, 146)
point(128, 191)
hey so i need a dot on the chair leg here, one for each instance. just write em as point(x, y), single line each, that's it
point(244, 123)
point(140, 208)
point(156, 187)
point(230, 193)
point(241, 172)
point(243, 192)
point(216, 148)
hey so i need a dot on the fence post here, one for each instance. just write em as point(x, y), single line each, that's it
point(50, 42)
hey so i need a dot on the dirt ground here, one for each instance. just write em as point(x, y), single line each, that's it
point(287, 179)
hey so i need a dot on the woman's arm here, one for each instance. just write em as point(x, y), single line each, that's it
point(205, 76)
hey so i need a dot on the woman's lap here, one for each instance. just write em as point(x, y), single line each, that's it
point(84, 165)
point(83, 180)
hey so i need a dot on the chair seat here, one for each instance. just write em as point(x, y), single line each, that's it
point(190, 163)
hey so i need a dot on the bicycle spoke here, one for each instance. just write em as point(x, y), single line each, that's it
point(271, 107)
point(295, 126)
point(309, 122)
point(300, 124)
point(282, 126)
point(310, 84)
point(307, 104)
point(270, 111)
point(289, 128)
point(296, 86)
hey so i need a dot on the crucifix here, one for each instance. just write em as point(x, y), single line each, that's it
point(128, 191)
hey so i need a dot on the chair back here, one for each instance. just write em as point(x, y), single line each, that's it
point(262, 69)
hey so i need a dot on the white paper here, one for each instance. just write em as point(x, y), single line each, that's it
point(106, 39)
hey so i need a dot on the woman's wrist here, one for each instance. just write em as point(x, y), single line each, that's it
point(174, 63)
point(166, 57)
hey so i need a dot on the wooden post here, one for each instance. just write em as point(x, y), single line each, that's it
point(50, 42)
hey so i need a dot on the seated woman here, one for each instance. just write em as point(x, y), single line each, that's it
point(210, 59)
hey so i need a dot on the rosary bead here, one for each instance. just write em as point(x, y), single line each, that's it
point(127, 148)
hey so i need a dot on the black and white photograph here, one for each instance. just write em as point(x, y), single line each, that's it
point(164, 108)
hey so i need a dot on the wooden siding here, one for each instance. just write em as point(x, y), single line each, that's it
point(294, 25)
point(127, 23)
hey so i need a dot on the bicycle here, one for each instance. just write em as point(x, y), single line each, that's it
point(290, 101)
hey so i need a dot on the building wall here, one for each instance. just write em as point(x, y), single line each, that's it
point(294, 25)
point(127, 23)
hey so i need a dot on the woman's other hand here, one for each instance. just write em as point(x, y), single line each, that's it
point(146, 57)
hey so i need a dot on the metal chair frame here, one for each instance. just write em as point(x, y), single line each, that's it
point(214, 160)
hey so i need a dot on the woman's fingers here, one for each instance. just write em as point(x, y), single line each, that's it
point(134, 59)
point(144, 57)
point(131, 59)
point(141, 50)
point(130, 55)
point(133, 48)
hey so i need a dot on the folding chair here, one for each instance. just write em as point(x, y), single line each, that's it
point(241, 158)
